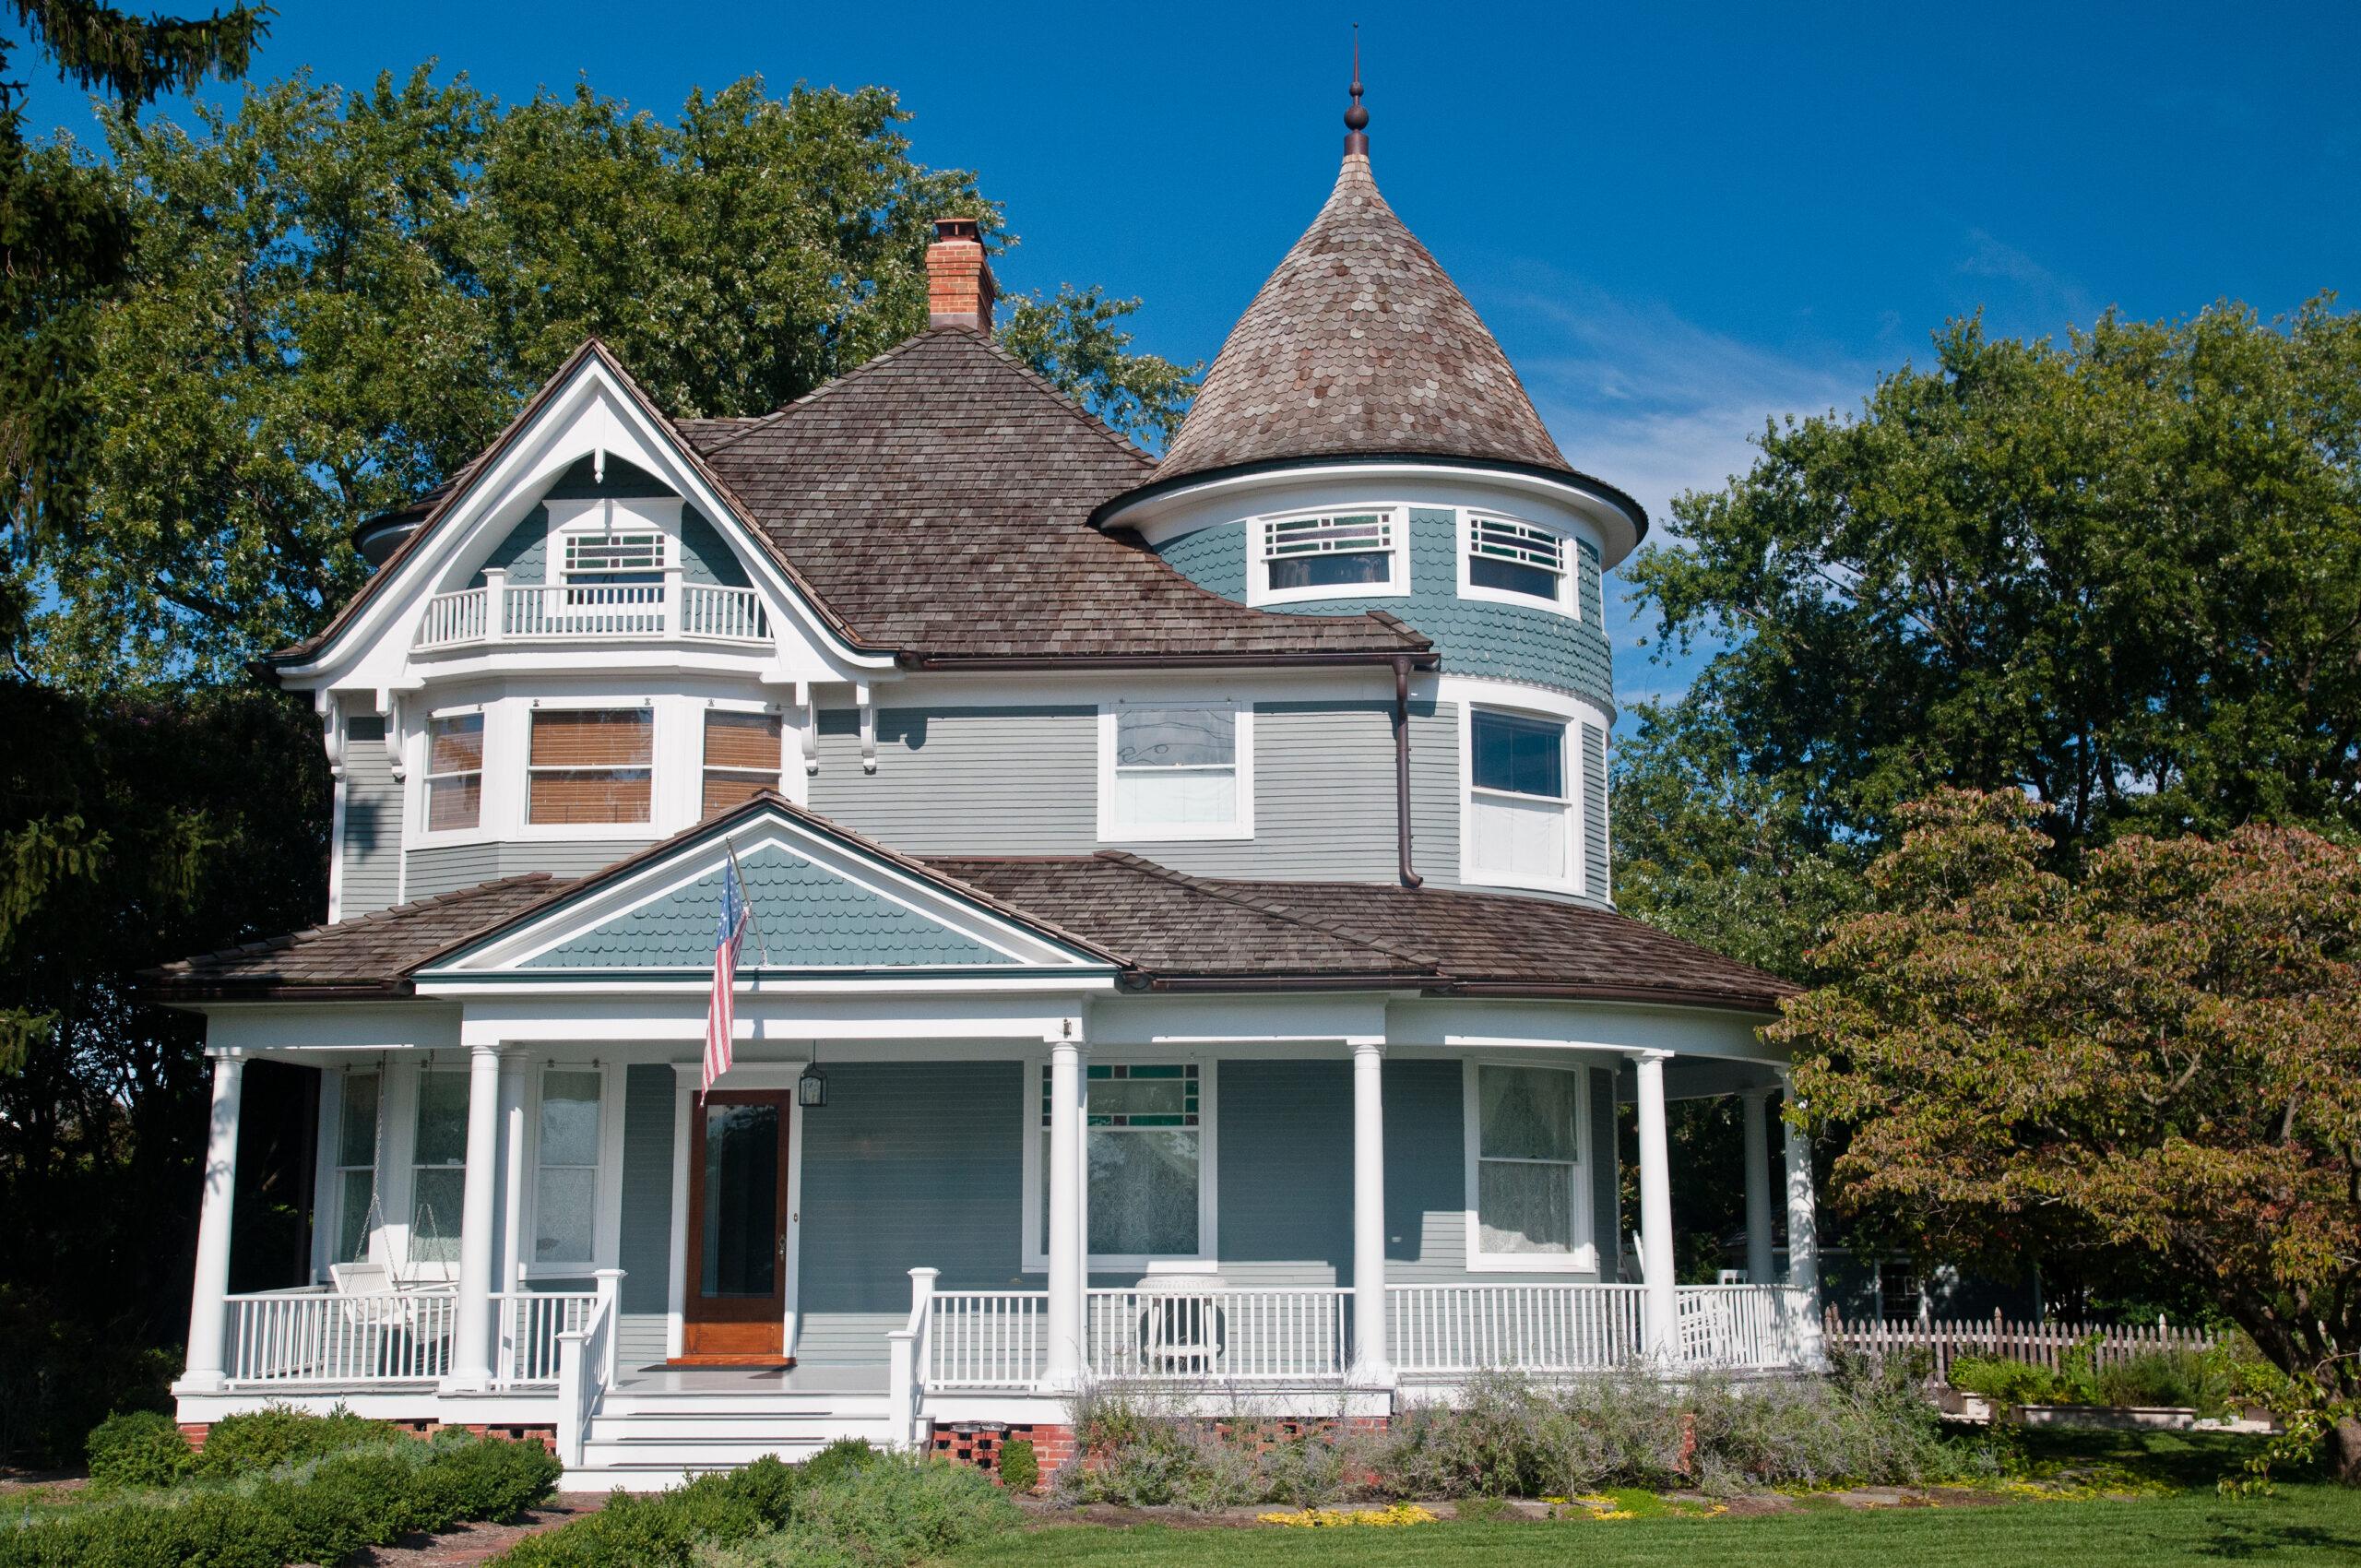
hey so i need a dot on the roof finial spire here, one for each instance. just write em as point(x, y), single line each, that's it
point(1356, 117)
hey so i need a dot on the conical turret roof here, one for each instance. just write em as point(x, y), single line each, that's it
point(1359, 345)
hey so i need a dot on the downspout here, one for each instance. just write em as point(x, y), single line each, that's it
point(1401, 767)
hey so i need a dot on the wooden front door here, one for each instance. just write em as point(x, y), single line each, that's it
point(736, 1290)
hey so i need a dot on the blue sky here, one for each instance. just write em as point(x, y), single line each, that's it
point(1679, 220)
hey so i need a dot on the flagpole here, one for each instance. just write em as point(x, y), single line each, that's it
point(730, 846)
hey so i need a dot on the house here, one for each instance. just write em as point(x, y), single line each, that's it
point(1183, 947)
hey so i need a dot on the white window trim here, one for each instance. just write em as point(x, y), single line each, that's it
point(483, 771)
point(1569, 601)
point(1571, 766)
point(788, 737)
point(605, 1173)
point(1583, 1259)
point(611, 513)
point(1397, 581)
point(1037, 1250)
point(1240, 827)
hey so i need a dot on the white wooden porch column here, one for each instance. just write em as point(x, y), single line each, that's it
point(208, 1311)
point(1068, 1274)
point(513, 1243)
point(1663, 1296)
point(471, 1335)
point(1371, 1364)
point(1760, 1266)
point(1803, 1234)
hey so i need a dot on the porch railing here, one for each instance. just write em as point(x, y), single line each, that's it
point(1471, 1328)
point(1223, 1336)
point(541, 612)
point(1744, 1326)
point(988, 1338)
point(530, 1324)
point(290, 1338)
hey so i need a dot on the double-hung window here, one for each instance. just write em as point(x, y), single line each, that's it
point(454, 771)
point(356, 1165)
point(1514, 562)
point(1326, 555)
point(1520, 813)
point(1176, 771)
point(1144, 1142)
point(1525, 1198)
point(592, 766)
point(566, 1183)
point(438, 1166)
point(741, 758)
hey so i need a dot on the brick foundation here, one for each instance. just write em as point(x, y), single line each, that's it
point(1054, 1446)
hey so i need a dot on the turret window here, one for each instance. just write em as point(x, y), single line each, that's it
point(1519, 815)
point(1327, 555)
point(1514, 562)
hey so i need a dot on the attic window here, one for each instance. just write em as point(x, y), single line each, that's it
point(1326, 555)
point(614, 556)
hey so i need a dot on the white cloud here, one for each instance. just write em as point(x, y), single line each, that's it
point(1651, 401)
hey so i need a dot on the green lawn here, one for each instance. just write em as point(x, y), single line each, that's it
point(2304, 1523)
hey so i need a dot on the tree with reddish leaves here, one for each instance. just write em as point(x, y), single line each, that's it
point(2160, 1057)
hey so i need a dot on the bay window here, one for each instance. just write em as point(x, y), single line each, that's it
point(590, 765)
point(565, 1181)
point(454, 771)
point(1525, 1205)
point(741, 758)
point(1178, 771)
point(1520, 813)
point(1144, 1155)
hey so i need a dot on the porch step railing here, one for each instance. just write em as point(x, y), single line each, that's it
point(1471, 1328)
point(586, 1368)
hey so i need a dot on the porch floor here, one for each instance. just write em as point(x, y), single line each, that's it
point(661, 1379)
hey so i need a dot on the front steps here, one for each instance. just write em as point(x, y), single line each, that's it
point(647, 1442)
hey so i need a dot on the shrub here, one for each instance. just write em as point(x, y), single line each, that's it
point(1144, 1454)
point(1020, 1468)
point(316, 1512)
point(138, 1448)
point(666, 1531)
point(887, 1512)
point(839, 1461)
point(1511, 1436)
point(265, 1439)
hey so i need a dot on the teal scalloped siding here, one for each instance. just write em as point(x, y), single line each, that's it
point(810, 918)
point(705, 557)
point(1475, 637)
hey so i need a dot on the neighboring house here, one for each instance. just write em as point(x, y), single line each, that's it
point(1184, 946)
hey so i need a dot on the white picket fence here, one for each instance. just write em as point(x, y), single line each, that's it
point(2045, 1344)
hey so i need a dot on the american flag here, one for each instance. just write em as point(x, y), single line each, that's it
point(721, 1010)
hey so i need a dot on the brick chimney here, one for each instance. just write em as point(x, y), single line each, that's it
point(959, 287)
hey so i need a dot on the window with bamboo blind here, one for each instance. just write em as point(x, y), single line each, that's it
point(454, 771)
point(590, 764)
point(741, 758)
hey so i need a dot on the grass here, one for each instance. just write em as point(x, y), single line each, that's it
point(2306, 1522)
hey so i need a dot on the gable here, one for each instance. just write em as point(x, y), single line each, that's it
point(807, 916)
point(823, 903)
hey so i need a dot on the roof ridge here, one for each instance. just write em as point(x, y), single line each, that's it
point(1215, 888)
point(1071, 405)
point(802, 399)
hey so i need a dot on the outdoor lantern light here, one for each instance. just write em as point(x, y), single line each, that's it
point(811, 1089)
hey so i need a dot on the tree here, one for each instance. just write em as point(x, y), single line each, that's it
point(339, 298)
point(63, 242)
point(2161, 1057)
point(2123, 575)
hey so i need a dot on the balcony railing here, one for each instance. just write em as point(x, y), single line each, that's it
point(501, 611)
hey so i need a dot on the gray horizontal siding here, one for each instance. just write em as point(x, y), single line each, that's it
point(911, 1165)
point(1285, 1165)
point(1434, 794)
point(1607, 1188)
point(448, 867)
point(1323, 799)
point(370, 850)
point(645, 1252)
point(965, 780)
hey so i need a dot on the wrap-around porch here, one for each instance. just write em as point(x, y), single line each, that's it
point(474, 1321)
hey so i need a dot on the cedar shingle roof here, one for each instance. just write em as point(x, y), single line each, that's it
point(367, 954)
point(1163, 926)
point(1359, 345)
point(939, 499)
